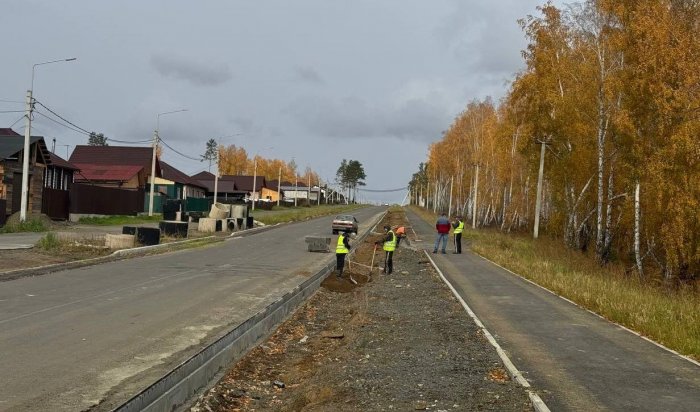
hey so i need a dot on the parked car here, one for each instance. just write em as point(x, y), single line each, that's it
point(344, 223)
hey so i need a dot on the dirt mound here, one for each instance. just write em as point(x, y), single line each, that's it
point(344, 284)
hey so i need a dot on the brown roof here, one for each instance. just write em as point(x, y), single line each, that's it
point(246, 182)
point(59, 162)
point(115, 155)
point(204, 175)
point(171, 173)
point(6, 131)
point(106, 173)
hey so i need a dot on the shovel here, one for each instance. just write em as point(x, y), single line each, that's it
point(371, 266)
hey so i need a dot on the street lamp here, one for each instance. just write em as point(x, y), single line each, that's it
point(27, 137)
point(153, 160)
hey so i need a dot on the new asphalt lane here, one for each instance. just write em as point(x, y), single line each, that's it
point(574, 359)
point(70, 340)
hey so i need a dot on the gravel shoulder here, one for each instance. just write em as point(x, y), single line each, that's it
point(397, 342)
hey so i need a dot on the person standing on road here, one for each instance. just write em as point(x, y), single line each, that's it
point(341, 250)
point(458, 226)
point(443, 231)
point(389, 245)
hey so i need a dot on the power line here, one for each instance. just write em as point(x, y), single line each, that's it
point(16, 121)
point(61, 124)
point(62, 118)
point(129, 141)
point(382, 190)
point(181, 154)
point(11, 111)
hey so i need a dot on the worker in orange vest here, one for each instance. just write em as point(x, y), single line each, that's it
point(400, 234)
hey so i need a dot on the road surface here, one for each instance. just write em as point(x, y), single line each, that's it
point(574, 359)
point(72, 339)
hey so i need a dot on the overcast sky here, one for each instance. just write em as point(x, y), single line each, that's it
point(317, 81)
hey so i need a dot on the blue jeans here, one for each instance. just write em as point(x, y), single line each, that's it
point(443, 237)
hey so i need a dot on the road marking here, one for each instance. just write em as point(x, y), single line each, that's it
point(537, 402)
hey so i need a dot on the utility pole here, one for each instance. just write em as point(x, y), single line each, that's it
point(25, 157)
point(296, 188)
point(216, 176)
point(27, 137)
point(153, 172)
point(255, 175)
point(308, 191)
point(279, 183)
point(538, 201)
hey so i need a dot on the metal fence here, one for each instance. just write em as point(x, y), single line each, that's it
point(89, 199)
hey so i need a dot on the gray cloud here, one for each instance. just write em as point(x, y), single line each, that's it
point(199, 74)
point(308, 75)
point(352, 117)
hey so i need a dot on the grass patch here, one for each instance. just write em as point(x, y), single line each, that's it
point(668, 316)
point(282, 215)
point(119, 220)
point(32, 224)
point(49, 242)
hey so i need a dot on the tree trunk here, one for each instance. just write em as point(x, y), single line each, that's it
point(538, 201)
point(476, 192)
point(602, 129)
point(607, 241)
point(637, 229)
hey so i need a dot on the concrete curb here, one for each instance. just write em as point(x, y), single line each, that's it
point(535, 399)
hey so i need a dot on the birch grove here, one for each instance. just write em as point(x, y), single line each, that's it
point(608, 105)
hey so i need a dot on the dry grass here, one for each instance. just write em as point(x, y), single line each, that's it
point(668, 316)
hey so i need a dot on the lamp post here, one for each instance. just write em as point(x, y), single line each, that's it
point(27, 138)
point(153, 160)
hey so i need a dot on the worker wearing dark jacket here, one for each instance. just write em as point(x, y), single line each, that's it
point(458, 228)
point(341, 250)
point(389, 245)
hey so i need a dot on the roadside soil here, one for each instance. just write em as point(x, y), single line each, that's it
point(391, 342)
point(89, 245)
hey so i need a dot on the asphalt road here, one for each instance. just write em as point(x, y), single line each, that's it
point(73, 339)
point(574, 359)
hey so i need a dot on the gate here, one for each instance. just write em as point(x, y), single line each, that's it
point(54, 203)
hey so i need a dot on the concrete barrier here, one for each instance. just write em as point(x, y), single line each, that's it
point(119, 241)
point(318, 243)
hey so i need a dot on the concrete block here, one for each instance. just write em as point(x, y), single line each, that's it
point(318, 243)
point(209, 225)
point(119, 241)
point(220, 211)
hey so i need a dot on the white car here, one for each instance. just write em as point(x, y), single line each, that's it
point(344, 223)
